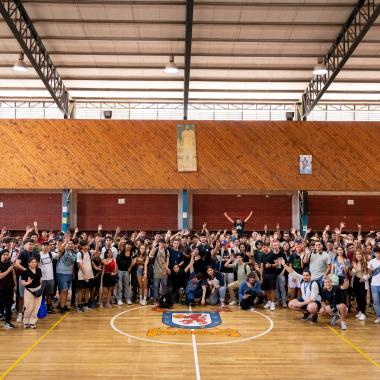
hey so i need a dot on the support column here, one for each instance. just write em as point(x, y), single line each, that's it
point(184, 210)
point(304, 209)
point(296, 219)
point(73, 209)
point(65, 210)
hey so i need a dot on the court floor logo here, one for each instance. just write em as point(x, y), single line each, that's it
point(191, 320)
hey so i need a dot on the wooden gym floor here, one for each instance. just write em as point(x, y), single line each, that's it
point(132, 342)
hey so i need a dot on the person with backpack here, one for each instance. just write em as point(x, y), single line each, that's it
point(310, 301)
point(241, 270)
point(161, 269)
point(47, 279)
point(85, 277)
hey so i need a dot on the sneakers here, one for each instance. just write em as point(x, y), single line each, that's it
point(334, 319)
point(9, 325)
point(267, 305)
point(377, 320)
point(143, 302)
point(343, 325)
point(232, 303)
point(305, 316)
point(32, 326)
point(362, 317)
point(120, 302)
point(26, 326)
point(222, 305)
point(272, 306)
point(19, 318)
point(252, 309)
point(129, 302)
point(314, 318)
point(358, 314)
point(284, 305)
point(108, 305)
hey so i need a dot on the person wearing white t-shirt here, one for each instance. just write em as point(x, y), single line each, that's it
point(85, 277)
point(47, 279)
point(374, 271)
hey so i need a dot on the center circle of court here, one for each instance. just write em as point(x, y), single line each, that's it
point(134, 323)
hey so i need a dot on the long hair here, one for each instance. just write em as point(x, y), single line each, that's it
point(362, 261)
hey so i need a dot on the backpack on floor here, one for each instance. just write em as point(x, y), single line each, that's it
point(165, 301)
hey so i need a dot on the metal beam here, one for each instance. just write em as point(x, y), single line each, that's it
point(188, 43)
point(197, 3)
point(356, 27)
point(31, 44)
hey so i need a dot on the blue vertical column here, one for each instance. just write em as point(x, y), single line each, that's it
point(304, 210)
point(185, 210)
point(65, 210)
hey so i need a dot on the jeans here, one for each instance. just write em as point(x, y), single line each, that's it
point(360, 294)
point(123, 280)
point(190, 295)
point(280, 289)
point(220, 293)
point(156, 286)
point(6, 300)
point(375, 289)
point(228, 277)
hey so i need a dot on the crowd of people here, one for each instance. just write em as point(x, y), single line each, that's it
point(330, 273)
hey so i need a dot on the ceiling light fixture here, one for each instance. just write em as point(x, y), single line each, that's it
point(320, 68)
point(171, 67)
point(20, 65)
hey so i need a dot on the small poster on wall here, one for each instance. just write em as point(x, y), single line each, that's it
point(306, 164)
point(186, 148)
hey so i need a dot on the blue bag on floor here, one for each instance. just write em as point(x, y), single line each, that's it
point(42, 312)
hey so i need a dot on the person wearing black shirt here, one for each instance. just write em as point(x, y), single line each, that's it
point(7, 286)
point(21, 265)
point(280, 273)
point(333, 304)
point(124, 259)
point(31, 280)
point(177, 283)
point(204, 250)
point(239, 223)
point(268, 269)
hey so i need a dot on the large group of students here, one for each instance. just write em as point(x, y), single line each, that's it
point(329, 273)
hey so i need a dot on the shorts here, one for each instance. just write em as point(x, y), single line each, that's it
point(21, 288)
point(300, 299)
point(140, 271)
point(47, 287)
point(109, 281)
point(64, 281)
point(269, 281)
point(294, 283)
point(82, 284)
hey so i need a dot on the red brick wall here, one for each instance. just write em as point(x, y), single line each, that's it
point(266, 210)
point(21, 209)
point(332, 209)
point(140, 211)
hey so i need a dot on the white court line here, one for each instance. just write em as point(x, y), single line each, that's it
point(195, 352)
point(113, 320)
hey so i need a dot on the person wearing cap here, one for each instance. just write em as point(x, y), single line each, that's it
point(8, 284)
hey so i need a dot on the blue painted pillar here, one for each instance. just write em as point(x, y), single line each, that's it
point(304, 210)
point(65, 210)
point(185, 210)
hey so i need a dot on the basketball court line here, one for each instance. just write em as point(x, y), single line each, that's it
point(195, 352)
point(112, 323)
point(354, 346)
point(32, 347)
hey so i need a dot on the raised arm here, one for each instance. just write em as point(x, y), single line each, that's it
point(228, 217)
point(248, 217)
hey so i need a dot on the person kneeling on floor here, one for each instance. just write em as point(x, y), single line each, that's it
point(333, 303)
point(249, 291)
point(194, 285)
point(310, 301)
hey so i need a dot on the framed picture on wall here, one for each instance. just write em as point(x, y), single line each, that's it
point(306, 164)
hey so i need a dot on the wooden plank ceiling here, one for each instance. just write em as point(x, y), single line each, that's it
point(88, 154)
